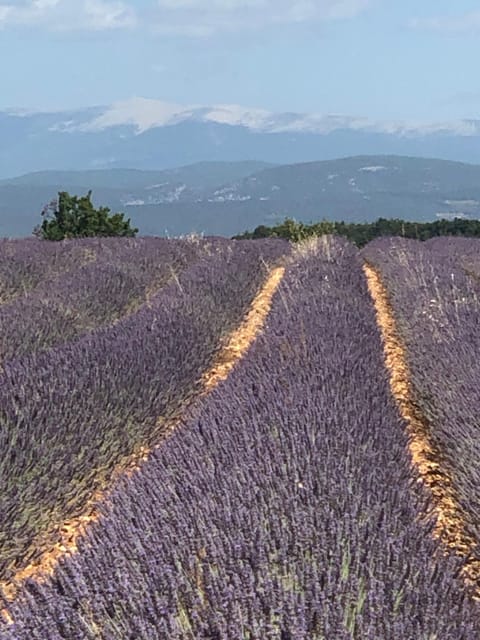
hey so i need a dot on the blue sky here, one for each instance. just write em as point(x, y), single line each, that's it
point(382, 59)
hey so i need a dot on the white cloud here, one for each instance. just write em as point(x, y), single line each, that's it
point(61, 15)
point(109, 15)
point(4, 13)
point(45, 4)
point(454, 24)
point(205, 17)
point(190, 18)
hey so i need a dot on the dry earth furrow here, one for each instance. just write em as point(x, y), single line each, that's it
point(426, 458)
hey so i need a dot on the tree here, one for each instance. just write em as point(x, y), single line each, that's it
point(75, 217)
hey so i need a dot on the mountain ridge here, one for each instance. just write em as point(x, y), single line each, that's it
point(155, 135)
point(229, 198)
point(144, 114)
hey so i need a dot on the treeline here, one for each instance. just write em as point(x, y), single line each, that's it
point(362, 233)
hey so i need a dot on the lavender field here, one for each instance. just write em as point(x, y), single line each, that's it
point(144, 496)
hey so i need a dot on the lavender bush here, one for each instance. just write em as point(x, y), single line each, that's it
point(284, 508)
point(463, 252)
point(118, 281)
point(69, 415)
point(25, 263)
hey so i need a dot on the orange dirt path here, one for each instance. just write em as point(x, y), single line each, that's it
point(236, 346)
point(426, 458)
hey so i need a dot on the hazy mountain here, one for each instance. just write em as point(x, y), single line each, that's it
point(22, 198)
point(151, 134)
point(225, 199)
point(198, 176)
point(362, 187)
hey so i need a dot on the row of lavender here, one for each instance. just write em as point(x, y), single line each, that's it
point(436, 302)
point(27, 262)
point(464, 252)
point(66, 303)
point(71, 414)
point(284, 507)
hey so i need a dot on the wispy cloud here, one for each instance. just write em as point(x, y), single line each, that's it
point(191, 18)
point(207, 17)
point(109, 15)
point(452, 24)
point(62, 15)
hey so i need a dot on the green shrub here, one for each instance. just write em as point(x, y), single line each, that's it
point(76, 217)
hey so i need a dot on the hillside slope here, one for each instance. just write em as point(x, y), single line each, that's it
point(229, 198)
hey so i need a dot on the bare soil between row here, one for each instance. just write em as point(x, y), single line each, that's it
point(426, 458)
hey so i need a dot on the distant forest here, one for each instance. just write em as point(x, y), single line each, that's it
point(362, 233)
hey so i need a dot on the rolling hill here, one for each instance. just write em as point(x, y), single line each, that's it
point(228, 198)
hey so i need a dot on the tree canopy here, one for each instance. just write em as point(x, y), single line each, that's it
point(76, 217)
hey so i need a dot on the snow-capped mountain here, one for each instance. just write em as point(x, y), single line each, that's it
point(152, 134)
point(144, 114)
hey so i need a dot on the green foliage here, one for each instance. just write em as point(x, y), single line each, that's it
point(361, 234)
point(75, 217)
